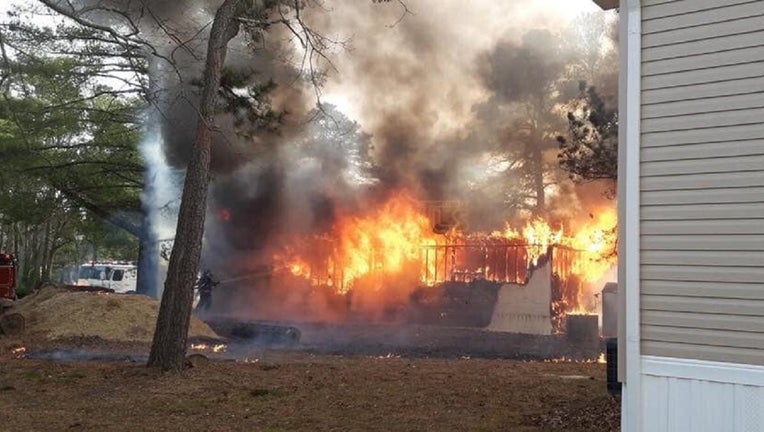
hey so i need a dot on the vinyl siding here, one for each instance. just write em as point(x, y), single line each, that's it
point(702, 180)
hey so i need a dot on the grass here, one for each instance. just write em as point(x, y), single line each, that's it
point(301, 392)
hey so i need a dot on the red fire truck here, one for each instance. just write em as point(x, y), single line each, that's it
point(7, 276)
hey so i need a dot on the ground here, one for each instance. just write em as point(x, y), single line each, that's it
point(300, 391)
point(336, 377)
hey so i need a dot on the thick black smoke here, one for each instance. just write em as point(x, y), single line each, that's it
point(438, 96)
point(439, 111)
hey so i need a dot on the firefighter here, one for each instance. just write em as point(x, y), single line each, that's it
point(205, 285)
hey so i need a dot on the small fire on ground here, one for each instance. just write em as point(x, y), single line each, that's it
point(215, 348)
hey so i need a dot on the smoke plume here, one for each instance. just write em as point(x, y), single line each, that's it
point(430, 96)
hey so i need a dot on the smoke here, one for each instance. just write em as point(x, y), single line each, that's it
point(441, 91)
point(431, 101)
point(159, 201)
point(437, 96)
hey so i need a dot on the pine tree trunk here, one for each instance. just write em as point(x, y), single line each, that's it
point(168, 349)
point(535, 162)
point(538, 180)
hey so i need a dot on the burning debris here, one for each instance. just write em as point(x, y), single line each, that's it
point(334, 208)
point(388, 263)
point(413, 188)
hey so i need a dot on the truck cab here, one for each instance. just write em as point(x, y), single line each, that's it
point(8, 270)
point(121, 277)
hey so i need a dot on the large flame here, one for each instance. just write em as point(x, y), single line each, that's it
point(597, 240)
point(385, 241)
point(388, 240)
point(394, 244)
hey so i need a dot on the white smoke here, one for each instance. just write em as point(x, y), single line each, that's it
point(160, 200)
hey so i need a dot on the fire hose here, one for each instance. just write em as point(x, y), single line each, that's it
point(258, 275)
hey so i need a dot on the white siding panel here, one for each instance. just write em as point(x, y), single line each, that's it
point(722, 290)
point(749, 408)
point(713, 404)
point(704, 76)
point(703, 150)
point(706, 404)
point(656, 402)
point(703, 181)
point(707, 196)
point(702, 91)
point(710, 32)
point(702, 106)
point(679, 407)
point(696, 19)
point(705, 46)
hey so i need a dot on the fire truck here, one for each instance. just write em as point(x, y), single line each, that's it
point(119, 276)
point(8, 276)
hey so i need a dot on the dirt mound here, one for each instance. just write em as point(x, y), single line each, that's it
point(55, 313)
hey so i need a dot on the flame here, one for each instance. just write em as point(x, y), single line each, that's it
point(598, 239)
point(387, 241)
point(299, 267)
point(217, 348)
point(395, 244)
point(537, 235)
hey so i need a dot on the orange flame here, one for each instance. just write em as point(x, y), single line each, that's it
point(597, 239)
point(386, 241)
point(538, 234)
point(395, 241)
point(389, 240)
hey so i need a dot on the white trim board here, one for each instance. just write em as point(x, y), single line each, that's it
point(703, 370)
point(629, 89)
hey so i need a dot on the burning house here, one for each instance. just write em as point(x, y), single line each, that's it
point(424, 186)
point(405, 262)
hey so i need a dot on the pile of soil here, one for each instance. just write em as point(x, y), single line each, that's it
point(54, 313)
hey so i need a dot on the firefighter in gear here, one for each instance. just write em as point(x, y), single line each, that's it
point(204, 285)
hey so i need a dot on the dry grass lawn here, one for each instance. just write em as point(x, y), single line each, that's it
point(283, 391)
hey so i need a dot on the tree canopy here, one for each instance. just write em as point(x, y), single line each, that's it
point(590, 150)
point(69, 144)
